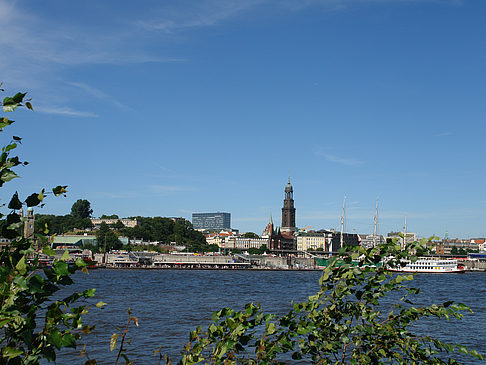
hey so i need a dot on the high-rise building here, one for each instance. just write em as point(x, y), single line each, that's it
point(211, 221)
point(288, 210)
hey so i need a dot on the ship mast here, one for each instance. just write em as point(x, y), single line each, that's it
point(375, 223)
point(342, 223)
point(405, 233)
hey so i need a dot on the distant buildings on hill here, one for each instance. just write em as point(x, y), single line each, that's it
point(285, 239)
point(130, 223)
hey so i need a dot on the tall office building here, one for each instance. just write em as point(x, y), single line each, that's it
point(211, 221)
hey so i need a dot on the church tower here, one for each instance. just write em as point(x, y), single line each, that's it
point(288, 210)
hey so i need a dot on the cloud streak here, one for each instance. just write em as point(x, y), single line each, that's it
point(208, 13)
point(101, 95)
point(340, 160)
point(205, 14)
point(169, 189)
point(66, 111)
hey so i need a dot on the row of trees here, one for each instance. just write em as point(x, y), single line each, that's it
point(59, 224)
point(162, 230)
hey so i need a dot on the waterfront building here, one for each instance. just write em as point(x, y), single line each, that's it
point(446, 246)
point(400, 237)
point(311, 241)
point(370, 240)
point(130, 223)
point(243, 243)
point(349, 239)
point(64, 241)
point(211, 221)
point(219, 238)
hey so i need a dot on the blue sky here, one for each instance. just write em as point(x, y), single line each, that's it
point(164, 108)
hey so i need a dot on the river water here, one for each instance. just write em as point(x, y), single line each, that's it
point(170, 303)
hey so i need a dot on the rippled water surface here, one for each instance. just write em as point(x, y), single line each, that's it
point(170, 303)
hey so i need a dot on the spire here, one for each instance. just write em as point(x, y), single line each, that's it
point(271, 219)
point(288, 209)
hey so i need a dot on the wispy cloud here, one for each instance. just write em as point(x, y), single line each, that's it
point(169, 189)
point(250, 219)
point(115, 195)
point(101, 95)
point(444, 134)
point(340, 160)
point(34, 44)
point(66, 111)
point(42, 40)
point(204, 14)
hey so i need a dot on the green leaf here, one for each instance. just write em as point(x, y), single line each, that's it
point(32, 200)
point(55, 338)
point(8, 175)
point(65, 256)
point(68, 340)
point(9, 107)
point(113, 339)
point(21, 267)
point(11, 352)
point(89, 292)
point(15, 202)
point(10, 147)
point(59, 190)
point(476, 354)
point(60, 268)
point(271, 328)
point(48, 251)
point(80, 263)
point(19, 97)
point(100, 304)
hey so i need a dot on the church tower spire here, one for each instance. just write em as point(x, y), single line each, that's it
point(288, 210)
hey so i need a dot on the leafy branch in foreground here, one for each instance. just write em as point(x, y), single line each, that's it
point(362, 314)
point(33, 326)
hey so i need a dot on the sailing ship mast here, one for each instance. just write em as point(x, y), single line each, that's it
point(342, 223)
point(405, 233)
point(375, 223)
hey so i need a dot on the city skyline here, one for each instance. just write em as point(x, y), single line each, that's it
point(165, 109)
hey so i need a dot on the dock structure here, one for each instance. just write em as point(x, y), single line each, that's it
point(166, 261)
point(198, 262)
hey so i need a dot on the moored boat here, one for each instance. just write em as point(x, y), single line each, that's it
point(430, 265)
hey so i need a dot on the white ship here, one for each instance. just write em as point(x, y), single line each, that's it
point(431, 265)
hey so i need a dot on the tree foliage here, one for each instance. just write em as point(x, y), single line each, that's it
point(258, 251)
point(81, 209)
point(112, 216)
point(250, 235)
point(33, 326)
point(107, 239)
point(164, 230)
point(346, 322)
point(61, 224)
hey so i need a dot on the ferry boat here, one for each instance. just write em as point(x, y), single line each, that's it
point(431, 265)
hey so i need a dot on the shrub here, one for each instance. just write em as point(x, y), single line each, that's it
point(32, 324)
point(344, 323)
